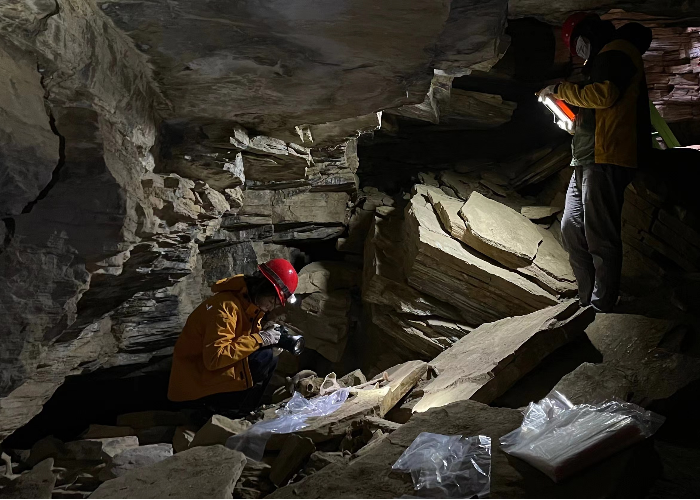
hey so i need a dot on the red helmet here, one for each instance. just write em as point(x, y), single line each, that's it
point(283, 277)
point(570, 25)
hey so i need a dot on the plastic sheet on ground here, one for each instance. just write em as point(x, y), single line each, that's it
point(448, 466)
point(291, 418)
point(561, 439)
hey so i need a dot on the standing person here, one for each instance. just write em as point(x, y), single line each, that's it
point(612, 137)
point(223, 358)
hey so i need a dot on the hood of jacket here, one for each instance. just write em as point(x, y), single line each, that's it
point(232, 284)
point(638, 35)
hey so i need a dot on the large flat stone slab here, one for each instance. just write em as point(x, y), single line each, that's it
point(203, 472)
point(636, 365)
point(499, 231)
point(485, 363)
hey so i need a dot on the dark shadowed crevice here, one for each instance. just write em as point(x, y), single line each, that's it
point(55, 175)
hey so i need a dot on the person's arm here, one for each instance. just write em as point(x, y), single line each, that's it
point(593, 95)
point(222, 347)
point(611, 74)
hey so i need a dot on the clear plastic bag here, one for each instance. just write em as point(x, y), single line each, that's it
point(291, 418)
point(448, 466)
point(561, 439)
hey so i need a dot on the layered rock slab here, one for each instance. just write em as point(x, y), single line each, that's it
point(485, 363)
point(203, 472)
point(271, 71)
point(499, 232)
point(442, 267)
point(550, 267)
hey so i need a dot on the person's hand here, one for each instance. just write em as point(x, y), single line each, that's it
point(549, 89)
point(271, 336)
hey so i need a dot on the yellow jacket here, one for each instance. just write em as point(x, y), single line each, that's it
point(211, 353)
point(613, 126)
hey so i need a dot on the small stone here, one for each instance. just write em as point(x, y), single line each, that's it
point(135, 458)
point(37, 483)
point(100, 449)
point(449, 191)
point(217, 430)
point(294, 452)
point(154, 435)
point(183, 438)
point(384, 212)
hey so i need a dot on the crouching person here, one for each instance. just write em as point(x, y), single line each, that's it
point(223, 359)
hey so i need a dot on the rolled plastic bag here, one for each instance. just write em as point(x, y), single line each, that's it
point(291, 418)
point(448, 466)
point(561, 439)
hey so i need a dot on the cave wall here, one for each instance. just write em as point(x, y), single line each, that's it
point(148, 149)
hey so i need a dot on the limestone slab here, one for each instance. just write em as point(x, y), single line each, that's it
point(499, 231)
point(485, 363)
point(294, 452)
point(203, 472)
point(217, 430)
point(444, 268)
point(551, 268)
point(135, 458)
point(637, 366)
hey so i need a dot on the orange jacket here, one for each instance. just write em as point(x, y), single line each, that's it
point(211, 354)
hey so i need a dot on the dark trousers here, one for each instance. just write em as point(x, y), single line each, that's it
point(262, 365)
point(591, 231)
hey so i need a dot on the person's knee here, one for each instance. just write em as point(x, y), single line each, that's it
point(571, 234)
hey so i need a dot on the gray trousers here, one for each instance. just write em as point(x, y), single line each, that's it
point(591, 231)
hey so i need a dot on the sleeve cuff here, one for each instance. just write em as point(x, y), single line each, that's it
point(257, 337)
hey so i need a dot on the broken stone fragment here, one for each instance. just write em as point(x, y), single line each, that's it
point(183, 437)
point(294, 452)
point(99, 449)
point(135, 458)
point(217, 430)
point(36, 483)
point(202, 472)
point(499, 232)
point(485, 363)
point(154, 435)
point(320, 459)
point(254, 481)
point(551, 268)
